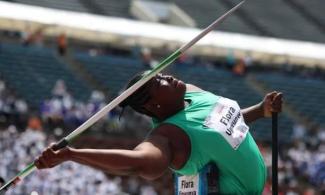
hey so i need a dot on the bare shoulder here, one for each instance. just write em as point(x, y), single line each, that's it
point(166, 134)
point(179, 143)
point(161, 135)
point(193, 88)
point(154, 142)
point(165, 130)
point(156, 156)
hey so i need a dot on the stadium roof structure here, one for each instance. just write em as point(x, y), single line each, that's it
point(127, 32)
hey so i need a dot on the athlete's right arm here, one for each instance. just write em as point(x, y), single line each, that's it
point(272, 102)
point(150, 159)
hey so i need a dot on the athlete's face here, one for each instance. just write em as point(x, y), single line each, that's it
point(166, 93)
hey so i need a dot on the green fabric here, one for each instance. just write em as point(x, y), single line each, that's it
point(242, 171)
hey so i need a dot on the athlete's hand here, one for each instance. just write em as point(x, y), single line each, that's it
point(50, 158)
point(272, 102)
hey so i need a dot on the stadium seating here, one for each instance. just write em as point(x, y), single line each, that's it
point(302, 93)
point(71, 5)
point(205, 13)
point(113, 71)
point(313, 8)
point(282, 20)
point(32, 71)
point(270, 18)
point(111, 8)
point(274, 18)
point(114, 8)
point(38, 69)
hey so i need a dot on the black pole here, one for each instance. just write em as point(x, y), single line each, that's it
point(275, 153)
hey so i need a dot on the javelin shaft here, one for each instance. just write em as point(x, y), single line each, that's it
point(210, 28)
point(65, 141)
point(20, 176)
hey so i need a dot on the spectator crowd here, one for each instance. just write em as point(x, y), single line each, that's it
point(301, 162)
point(19, 145)
point(20, 149)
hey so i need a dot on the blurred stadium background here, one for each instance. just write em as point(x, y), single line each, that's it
point(61, 61)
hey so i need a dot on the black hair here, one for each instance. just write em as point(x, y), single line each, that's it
point(139, 97)
point(2, 181)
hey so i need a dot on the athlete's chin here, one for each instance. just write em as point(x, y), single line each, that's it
point(181, 86)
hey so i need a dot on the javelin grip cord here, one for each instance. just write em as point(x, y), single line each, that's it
point(61, 144)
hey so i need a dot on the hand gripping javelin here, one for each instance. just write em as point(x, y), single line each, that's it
point(162, 65)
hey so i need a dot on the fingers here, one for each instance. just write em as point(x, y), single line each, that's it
point(46, 160)
point(277, 99)
point(272, 103)
point(276, 102)
point(271, 95)
point(50, 158)
point(52, 146)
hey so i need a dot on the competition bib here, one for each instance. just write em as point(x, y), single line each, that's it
point(203, 183)
point(188, 185)
point(226, 119)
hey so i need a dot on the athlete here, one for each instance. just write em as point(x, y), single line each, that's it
point(191, 128)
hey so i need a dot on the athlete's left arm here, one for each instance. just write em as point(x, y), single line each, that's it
point(272, 102)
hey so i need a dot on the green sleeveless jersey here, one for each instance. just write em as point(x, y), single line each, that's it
point(218, 134)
